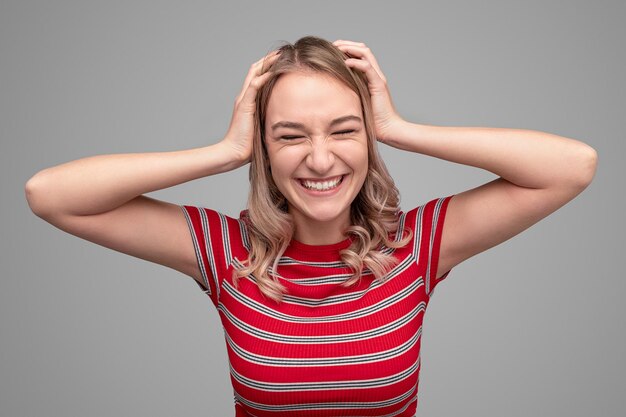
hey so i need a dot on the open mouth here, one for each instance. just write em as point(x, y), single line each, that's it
point(325, 185)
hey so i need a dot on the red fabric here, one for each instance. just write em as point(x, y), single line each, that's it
point(326, 350)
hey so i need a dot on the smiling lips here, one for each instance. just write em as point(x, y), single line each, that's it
point(325, 185)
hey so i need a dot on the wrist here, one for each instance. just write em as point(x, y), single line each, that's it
point(396, 133)
point(410, 136)
point(230, 156)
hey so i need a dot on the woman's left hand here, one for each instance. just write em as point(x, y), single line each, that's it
point(386, 119)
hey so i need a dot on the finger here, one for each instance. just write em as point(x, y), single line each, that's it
point(363, 52)
point(373, 77)
point(268, 59)
point(256, 69)
point(346, 42)
point(249, 96)
point(359, 50)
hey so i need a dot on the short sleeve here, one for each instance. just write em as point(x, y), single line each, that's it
point(213, 235)
point(428, 221)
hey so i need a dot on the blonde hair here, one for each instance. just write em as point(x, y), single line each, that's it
point(374, 212)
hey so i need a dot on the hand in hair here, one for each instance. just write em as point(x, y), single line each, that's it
point(241, 130)
point(386, 117)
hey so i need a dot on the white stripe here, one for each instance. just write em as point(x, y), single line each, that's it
point(349, 384)
point(196, 247)
point(412, 393)
point(322, 339)
point(397, 270)
point(433, 232)
point(209, 249)
point(364, 359)
point(267, 311)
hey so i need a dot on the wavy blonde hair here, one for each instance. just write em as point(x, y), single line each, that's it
point(374, 211)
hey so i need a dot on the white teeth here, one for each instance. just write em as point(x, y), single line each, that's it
point(321, 185)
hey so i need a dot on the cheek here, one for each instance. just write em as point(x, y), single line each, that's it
point(277, 176)
point(355, 156)
point(281, 170)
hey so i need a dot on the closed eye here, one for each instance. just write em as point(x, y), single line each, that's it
point(340, 133)
point(345, 132)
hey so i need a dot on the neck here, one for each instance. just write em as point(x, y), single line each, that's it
point(320, 233)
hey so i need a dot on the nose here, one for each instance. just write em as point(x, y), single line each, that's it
point(320, 158)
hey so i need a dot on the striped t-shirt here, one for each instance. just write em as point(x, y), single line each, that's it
point(326, 350)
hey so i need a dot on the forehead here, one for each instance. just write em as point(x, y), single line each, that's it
point(310, 98)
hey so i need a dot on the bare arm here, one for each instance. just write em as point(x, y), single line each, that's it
point(538, 173)
point(101, 199)
point(524, 157)
point(102, 183)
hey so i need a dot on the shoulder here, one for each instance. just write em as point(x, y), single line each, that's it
point(430, 210)
point(425, 222)
point(216, 228)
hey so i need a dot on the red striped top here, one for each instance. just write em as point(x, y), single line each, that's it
point(326, 350)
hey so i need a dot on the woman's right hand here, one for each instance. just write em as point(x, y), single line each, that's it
point(238, 139)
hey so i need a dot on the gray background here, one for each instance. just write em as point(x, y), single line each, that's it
point(533, 327)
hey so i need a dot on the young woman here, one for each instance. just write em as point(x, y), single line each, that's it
point(322, 283)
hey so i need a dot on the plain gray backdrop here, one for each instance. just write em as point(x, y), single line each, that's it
point(533, 327)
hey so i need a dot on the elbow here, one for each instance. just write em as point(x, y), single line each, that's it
point(35, 193)
point(584, 167)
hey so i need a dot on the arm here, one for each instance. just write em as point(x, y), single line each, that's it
point(102, 183)
point(101, 199)
point(538, 172)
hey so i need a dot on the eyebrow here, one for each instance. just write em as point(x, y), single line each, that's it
point(296, 125)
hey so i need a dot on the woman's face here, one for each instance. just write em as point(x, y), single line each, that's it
point(317, 146)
